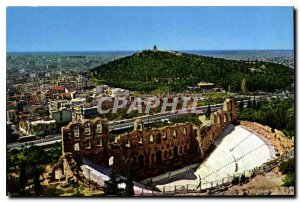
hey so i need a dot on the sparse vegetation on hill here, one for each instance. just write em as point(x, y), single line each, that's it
point(165, 71)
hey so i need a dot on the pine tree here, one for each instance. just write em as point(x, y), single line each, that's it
point(111, 186)
point(129, 191)
point(208, 112)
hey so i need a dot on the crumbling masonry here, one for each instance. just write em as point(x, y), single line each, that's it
point(150, 151)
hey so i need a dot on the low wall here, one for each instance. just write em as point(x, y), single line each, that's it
point(169, 174)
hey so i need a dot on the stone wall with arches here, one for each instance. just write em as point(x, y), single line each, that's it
point(149, 151)
point(219, 120)
point(153, 151)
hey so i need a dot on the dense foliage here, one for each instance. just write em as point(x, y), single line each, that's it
point(25, 167)
point(288, 170)
point(276, 113)
point(162, 71)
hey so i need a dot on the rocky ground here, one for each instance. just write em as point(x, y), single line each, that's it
point(268, 184)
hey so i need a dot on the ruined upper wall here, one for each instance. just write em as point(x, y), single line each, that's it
point(276, 137)
point(219, 120)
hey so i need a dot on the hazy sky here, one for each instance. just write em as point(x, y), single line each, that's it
point(137, 28)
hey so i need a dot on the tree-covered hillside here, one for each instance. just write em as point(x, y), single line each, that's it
point(165, 71)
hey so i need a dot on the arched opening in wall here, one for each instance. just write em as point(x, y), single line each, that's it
point(225, 118)
point(151, 139)
point(88, 144)
point(141, 161)
point(87, 129)
point(76, 130)
point(152, 159)
point(140, 142)
point(170, 153)
point(195, 132)
point(184, 131)
point(158, 157)
point(128, 143)
point(165, 137)
point(219, 119)
point(129, 162)
point(99, 127)
point(76, 147)
point(166, 154)
point(111, 161)
point(158, 138)
point(99, 141)
point(175, 152)
point(213, 119)
point(174, 134)
point(147, 160)
point(230, 105)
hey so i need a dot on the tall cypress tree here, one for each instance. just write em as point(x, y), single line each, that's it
point(241, 105)
point(111, 185)
point(36, 181)
point(23, 177)
point(249, 104)
point(129, 191)
point(254, 104)
point(244, 86)
point(208, 112)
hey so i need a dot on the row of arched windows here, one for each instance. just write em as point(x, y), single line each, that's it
point(159, 155)
point(88, 144)
point(158, 138)
point(87, 129)
point(217, 118)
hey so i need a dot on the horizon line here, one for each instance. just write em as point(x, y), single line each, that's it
point(57, 51)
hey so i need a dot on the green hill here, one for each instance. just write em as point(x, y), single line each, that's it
point(166, 71)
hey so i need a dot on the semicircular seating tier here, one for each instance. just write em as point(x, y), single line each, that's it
point(237, 151)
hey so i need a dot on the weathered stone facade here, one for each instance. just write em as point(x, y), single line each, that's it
point(219, 120)
point(88, 138)
point(150, 151)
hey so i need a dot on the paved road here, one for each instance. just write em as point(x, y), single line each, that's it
point(40, 142)
point(118, 125)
